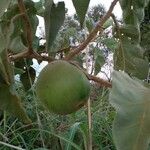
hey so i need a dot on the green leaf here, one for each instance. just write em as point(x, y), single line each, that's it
point(16, 45)
point(73, 130)
point(129, 58)
point(3, 72)
point(99, 60)
point(3, 6)
point(89, 24)
point(131, 99)
point(39, 7)
point(131, 32)
point(2, 40)
point(10, 102)
point(108, 23)
point(54, 18)
point(111, 43)
point(27, 78)
point(81, 7)
point(18, 70)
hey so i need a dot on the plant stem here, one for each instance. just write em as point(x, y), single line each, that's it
point(89, 143)
point(28, 27)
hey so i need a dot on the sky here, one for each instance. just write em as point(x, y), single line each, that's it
point(117, 11)
point(68, 4)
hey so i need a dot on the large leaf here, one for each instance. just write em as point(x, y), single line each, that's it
point(3, 6)
point(10, 102)
point(54, 18)
point(129, 57)
point(81, 7)
point(131, 127)
point(133, 11)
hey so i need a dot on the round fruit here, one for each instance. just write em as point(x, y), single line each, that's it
point(62, 87)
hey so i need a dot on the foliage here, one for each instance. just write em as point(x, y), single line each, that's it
point(131, 100)
point(87, 38)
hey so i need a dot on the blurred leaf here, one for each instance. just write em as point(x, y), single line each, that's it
point(18, 71)
point(23, 63)
point(3, 72)
point(13, 13)
point(54, 18)
point(131, 32)
point(99, 60)
point(133, 11)
point(39, 7)
point(132, 123)
point(89, 24)
point(3, 6)
point(40, 149)
point(35, 43)
point(73, 130)
point(111, 43)
point(27, 78)
point(108, 23)
point(16, 45)
point(10, 102)
point(129, 57)
point(3, 42)
point(81, 7)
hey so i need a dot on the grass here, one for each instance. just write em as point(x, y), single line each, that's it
point(53, 132)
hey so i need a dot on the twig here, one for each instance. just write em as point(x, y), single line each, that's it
point(99, 27)
point(27, 54)
point(28, 28)
point(100, 81)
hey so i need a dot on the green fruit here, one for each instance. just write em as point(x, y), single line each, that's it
point(62, 87)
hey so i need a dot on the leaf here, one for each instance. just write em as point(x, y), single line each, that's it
point(99, 60)
point(73, 131)
point(3, 6)
point(108, 23)
point(81, 7)
point(16, 45)
point(3, 72)
point(39, 7)
point(27, 78)
point(131, 127)
point(2, 40)
point(10, 102)
point(129, 57)
point(18, 71)
point(89, 24)
point(54, 18)
point(131, 32)
point(111, 43)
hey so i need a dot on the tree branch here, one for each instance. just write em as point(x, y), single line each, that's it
point(100, 81)
point(28, 28)
point(99, 27)
point(27, 54)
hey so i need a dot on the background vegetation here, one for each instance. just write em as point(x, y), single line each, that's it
point(120, 115)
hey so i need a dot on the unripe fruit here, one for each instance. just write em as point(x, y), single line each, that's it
point(62, 87)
